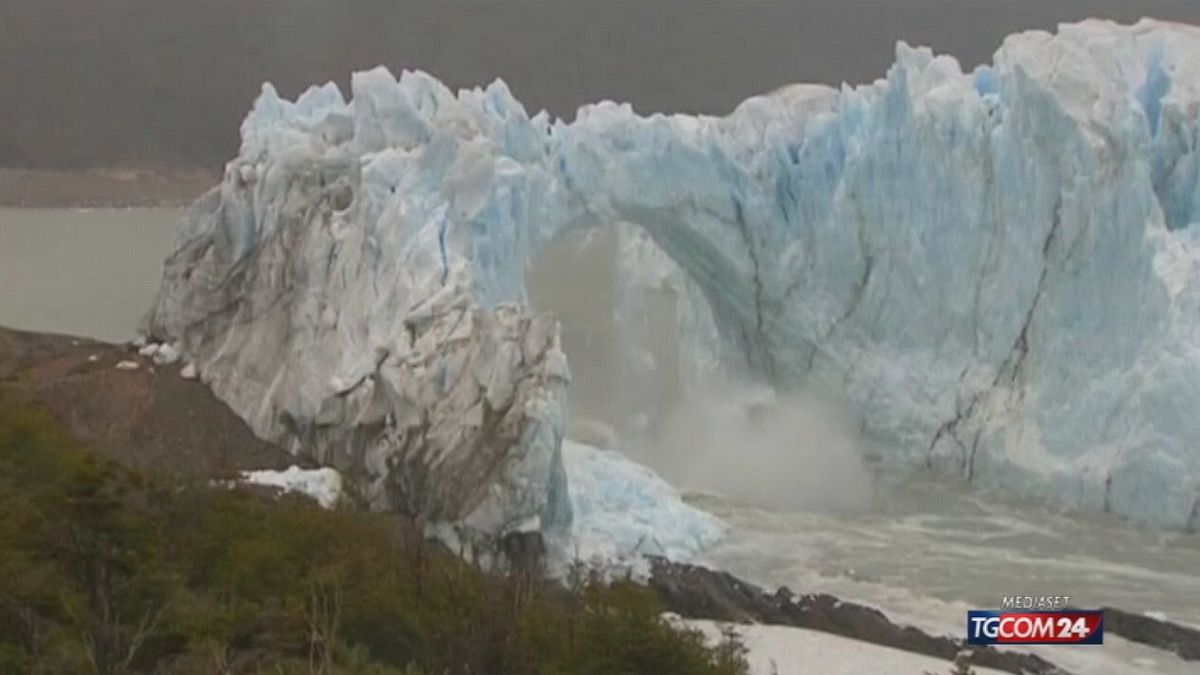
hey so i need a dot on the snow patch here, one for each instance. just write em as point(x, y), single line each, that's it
point(323, 485)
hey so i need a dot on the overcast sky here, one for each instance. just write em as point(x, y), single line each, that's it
point(90, 82)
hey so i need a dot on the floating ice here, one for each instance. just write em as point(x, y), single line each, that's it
point(618, 512)
point(998, 269)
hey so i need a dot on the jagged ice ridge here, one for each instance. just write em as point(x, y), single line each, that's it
point(997, 269)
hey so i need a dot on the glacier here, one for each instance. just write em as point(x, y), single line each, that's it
point(621, 512)
point(997, 269)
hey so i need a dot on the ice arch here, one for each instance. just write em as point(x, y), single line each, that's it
point(998, 268)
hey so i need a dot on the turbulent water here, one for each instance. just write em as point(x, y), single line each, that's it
point(923, 550)
point(909, 540)
point(927, 551)
point(941, 541)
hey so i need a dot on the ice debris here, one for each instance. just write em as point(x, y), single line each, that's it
point(622, 511)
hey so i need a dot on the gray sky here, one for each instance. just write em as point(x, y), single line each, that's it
point(166, 82)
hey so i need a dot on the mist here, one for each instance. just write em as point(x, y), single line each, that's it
point(729, 435)
point(785, 453)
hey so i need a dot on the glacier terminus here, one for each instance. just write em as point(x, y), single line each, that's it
point(999, 270)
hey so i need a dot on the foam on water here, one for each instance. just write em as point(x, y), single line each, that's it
point(930, 549)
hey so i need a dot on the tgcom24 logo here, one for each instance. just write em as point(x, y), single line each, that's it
point(1049, 627)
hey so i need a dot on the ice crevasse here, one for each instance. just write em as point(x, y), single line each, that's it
point(999, 270)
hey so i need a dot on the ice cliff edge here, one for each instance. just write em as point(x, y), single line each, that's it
point(999, 268)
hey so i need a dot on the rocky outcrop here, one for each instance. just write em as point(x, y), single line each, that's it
point(700, 593)
point(1183, 641)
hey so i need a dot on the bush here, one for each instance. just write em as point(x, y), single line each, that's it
point(104, 570)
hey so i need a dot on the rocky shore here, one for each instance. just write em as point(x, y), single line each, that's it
point(102, 188)
point(1156, 632)
point(697, 592)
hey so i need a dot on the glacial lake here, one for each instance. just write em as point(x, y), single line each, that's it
point(88, 272)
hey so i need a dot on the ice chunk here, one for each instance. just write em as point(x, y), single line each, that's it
point(622, 511)
point(166, 355)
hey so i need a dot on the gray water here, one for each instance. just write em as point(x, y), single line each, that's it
point(937, 537)
point(86, 272)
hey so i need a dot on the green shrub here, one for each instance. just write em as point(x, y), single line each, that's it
point(107, 571)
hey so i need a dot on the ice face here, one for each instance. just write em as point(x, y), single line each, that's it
point(622, 511)
point(997, 269)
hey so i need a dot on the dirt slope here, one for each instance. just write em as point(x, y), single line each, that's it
point(150, 418)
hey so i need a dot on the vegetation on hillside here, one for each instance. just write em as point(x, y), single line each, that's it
point(103, 570)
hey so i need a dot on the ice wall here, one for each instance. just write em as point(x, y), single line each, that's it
point(998, 268)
